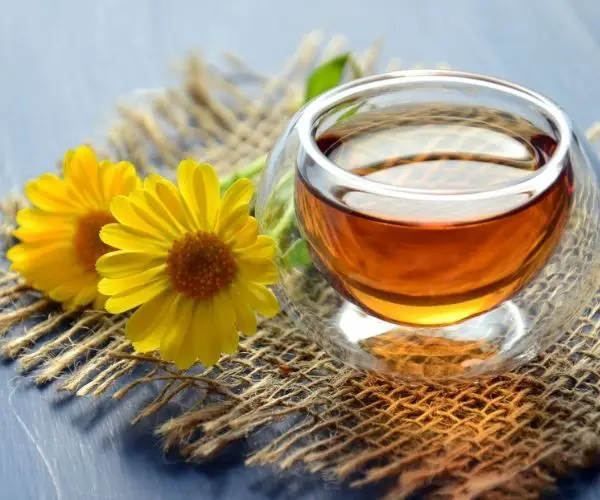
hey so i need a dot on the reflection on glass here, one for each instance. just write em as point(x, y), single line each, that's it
point(444, 218)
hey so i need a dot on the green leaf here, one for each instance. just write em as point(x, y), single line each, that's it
point(297, 255)
point(326, 76)
point(248, 172)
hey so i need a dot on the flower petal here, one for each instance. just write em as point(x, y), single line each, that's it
point(48, 192)
point(225, 316)
point(170, 345)
point(114, 286)
point(152, 321)
point(206, 333)
point(43, 234)
point(199, 186)
point(125, 238)
point(82, 177)
point(209, 205)
point(259, 298)
point(43, 276)
point(122, 263)
point(263, 248)
point(245, 319)
point(158, 208)
point(247, 235)
point(185, 180)
point(109, 176)
point(148, 316)
point(259, 271)
point(148, 209)
point(86, 295)
point(32, 218)
point(129, 178)
point(231, 224)
point(29, 254)
point(167, 193)
point(190, 345)
point(238, 194)
point(117, 179)
point(69, 289)
point(131, 299)
point(130, 216)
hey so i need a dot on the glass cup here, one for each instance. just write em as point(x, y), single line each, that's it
point(433, 224)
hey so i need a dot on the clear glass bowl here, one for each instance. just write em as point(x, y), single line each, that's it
point(443, 269)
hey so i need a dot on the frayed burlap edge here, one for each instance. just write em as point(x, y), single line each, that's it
point(511, 435)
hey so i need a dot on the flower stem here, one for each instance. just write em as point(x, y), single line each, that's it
point(284, 224)
point(248, 172)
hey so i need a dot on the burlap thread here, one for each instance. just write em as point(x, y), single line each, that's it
point(510, 435)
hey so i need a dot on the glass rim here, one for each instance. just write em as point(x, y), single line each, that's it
point(540, 180)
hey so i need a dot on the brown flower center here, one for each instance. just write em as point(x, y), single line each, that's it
point(199, 265)
point(88, 245)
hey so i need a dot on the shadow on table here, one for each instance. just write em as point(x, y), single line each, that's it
point(581, 484)
point(108, 421)
point(226, 474)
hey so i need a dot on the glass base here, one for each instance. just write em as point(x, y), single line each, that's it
point(482, 344)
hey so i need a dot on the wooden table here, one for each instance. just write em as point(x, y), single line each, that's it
point(64, 63)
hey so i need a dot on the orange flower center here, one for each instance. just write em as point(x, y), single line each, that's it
point(88, 245)
point(200, 264)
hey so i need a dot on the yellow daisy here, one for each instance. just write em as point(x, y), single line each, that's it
point(59, 235)
point(194, 263)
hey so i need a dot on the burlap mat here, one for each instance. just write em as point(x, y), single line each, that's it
point(511, 435)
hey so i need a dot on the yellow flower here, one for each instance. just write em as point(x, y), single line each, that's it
point(193, 262)
point(59, 235)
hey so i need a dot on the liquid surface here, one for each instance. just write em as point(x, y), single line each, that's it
point(437, 273)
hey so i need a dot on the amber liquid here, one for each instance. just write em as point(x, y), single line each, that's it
point(439, 272)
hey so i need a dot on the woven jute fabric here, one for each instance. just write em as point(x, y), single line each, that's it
point(510, 435)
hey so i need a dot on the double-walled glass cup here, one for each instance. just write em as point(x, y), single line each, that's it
point(433, 223)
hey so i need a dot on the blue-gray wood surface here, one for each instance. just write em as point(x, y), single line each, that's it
point(64, 63)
